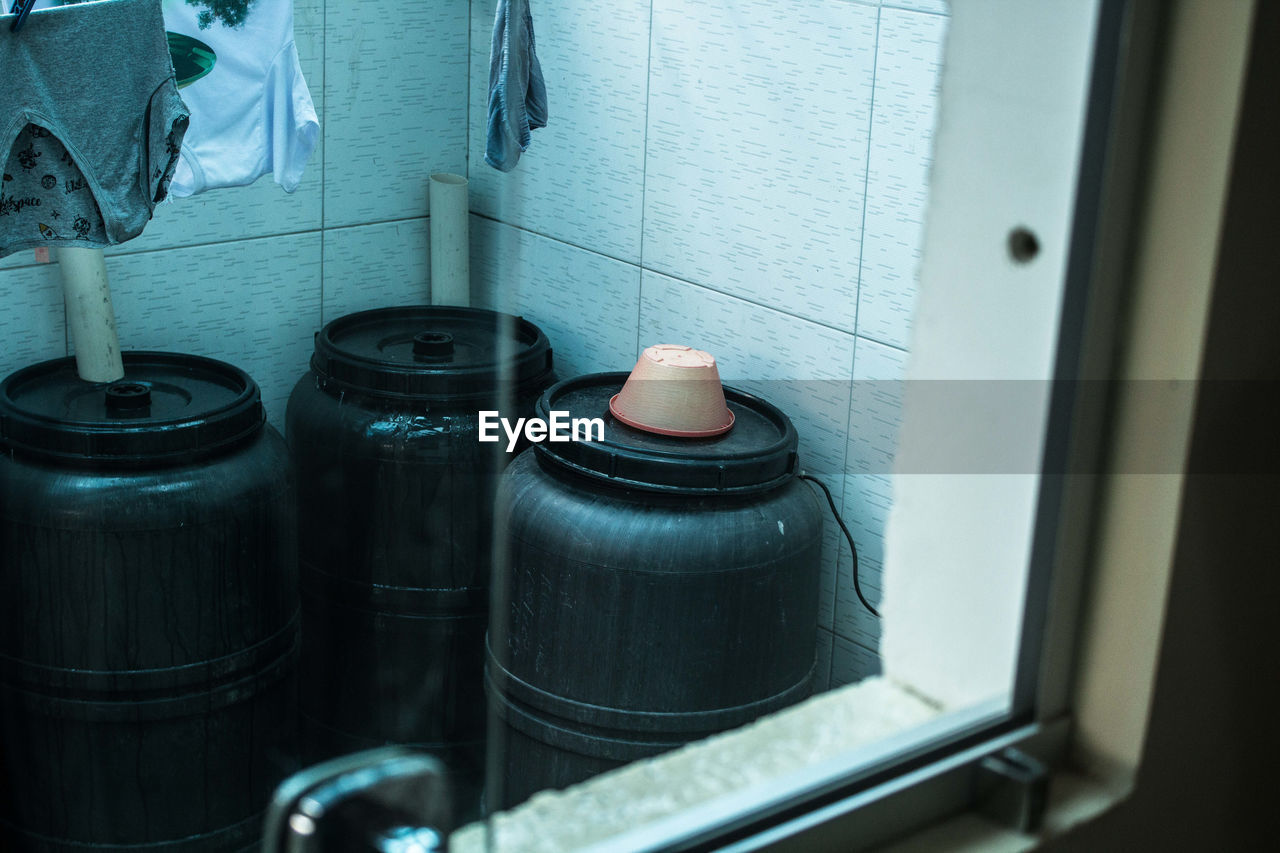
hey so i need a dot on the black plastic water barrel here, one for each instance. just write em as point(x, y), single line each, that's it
point(395, 525)
point(655, 590)
point(148, 608)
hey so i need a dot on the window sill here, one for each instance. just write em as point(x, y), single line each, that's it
point(782, 749)
point(1074, 799)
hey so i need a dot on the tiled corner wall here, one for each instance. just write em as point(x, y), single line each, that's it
point(745, 176)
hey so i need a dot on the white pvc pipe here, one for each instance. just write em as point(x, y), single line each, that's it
point(90, 319)
point(450, 240)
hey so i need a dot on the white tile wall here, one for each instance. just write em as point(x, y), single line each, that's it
point(395, 105)
point(25, 258)
point(874, 417)
point(233, 213)
point(851, 662)
point(875, 407)
point(376, 266)
point(865, 509)
point(759, 115)
point(254, 303)
point(32, 324)
point(822, 675)
point(582, 178)
point(937, 7)
point(908, 62)
point(586, 303)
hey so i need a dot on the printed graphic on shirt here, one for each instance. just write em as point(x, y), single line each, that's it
point(192, 58)
point(27, 158)
point(230, 12)
point(32, 198)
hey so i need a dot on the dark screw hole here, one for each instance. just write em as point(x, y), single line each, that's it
point(1023, 244)
point(128, 396)
point(433, 344)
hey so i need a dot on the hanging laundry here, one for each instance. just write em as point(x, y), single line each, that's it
point(90, 124)
point(251, 111)
point(517, 93)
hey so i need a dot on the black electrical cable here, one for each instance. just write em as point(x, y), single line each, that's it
point(831, 502)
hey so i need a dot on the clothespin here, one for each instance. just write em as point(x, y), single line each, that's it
point(20, 10)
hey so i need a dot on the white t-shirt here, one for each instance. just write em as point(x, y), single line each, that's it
point(251, 112)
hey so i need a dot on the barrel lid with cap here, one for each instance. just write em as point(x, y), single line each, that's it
point(168, 406)
point(431, 351)
point(758, 454)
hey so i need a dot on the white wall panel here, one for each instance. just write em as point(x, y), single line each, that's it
point(822, 677)
point(32, 322)
point(253, 303)
point(936, 7)
point(587, 304)
point(376, 266)
point(395, 104)
point(908, 63)
point(875, 410)
point(759, 114)
point(851, 662)
point(582, 179)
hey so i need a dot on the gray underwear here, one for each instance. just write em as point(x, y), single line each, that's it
point(90, 124)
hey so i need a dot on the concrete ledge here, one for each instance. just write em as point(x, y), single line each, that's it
point(723, 767)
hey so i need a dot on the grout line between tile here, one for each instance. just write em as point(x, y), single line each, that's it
point(644, 175)
point(743, 299)
point(839, 636)
point(466, 161)
point(324, 147)
point(902, 8)
point(211, 243)
point(866, 176)
point(898, 347)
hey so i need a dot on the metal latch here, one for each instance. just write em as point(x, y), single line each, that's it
point(1012, 787)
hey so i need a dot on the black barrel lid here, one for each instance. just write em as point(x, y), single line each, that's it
point(168, 406)
point(429, 351)
point(758, 454)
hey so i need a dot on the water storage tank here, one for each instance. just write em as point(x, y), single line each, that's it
point(395, 524)
point(655, 590)
point(148, 608)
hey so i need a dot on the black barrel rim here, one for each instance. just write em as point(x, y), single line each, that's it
point(759, 454)
point(168, 407)
point(429, 351)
